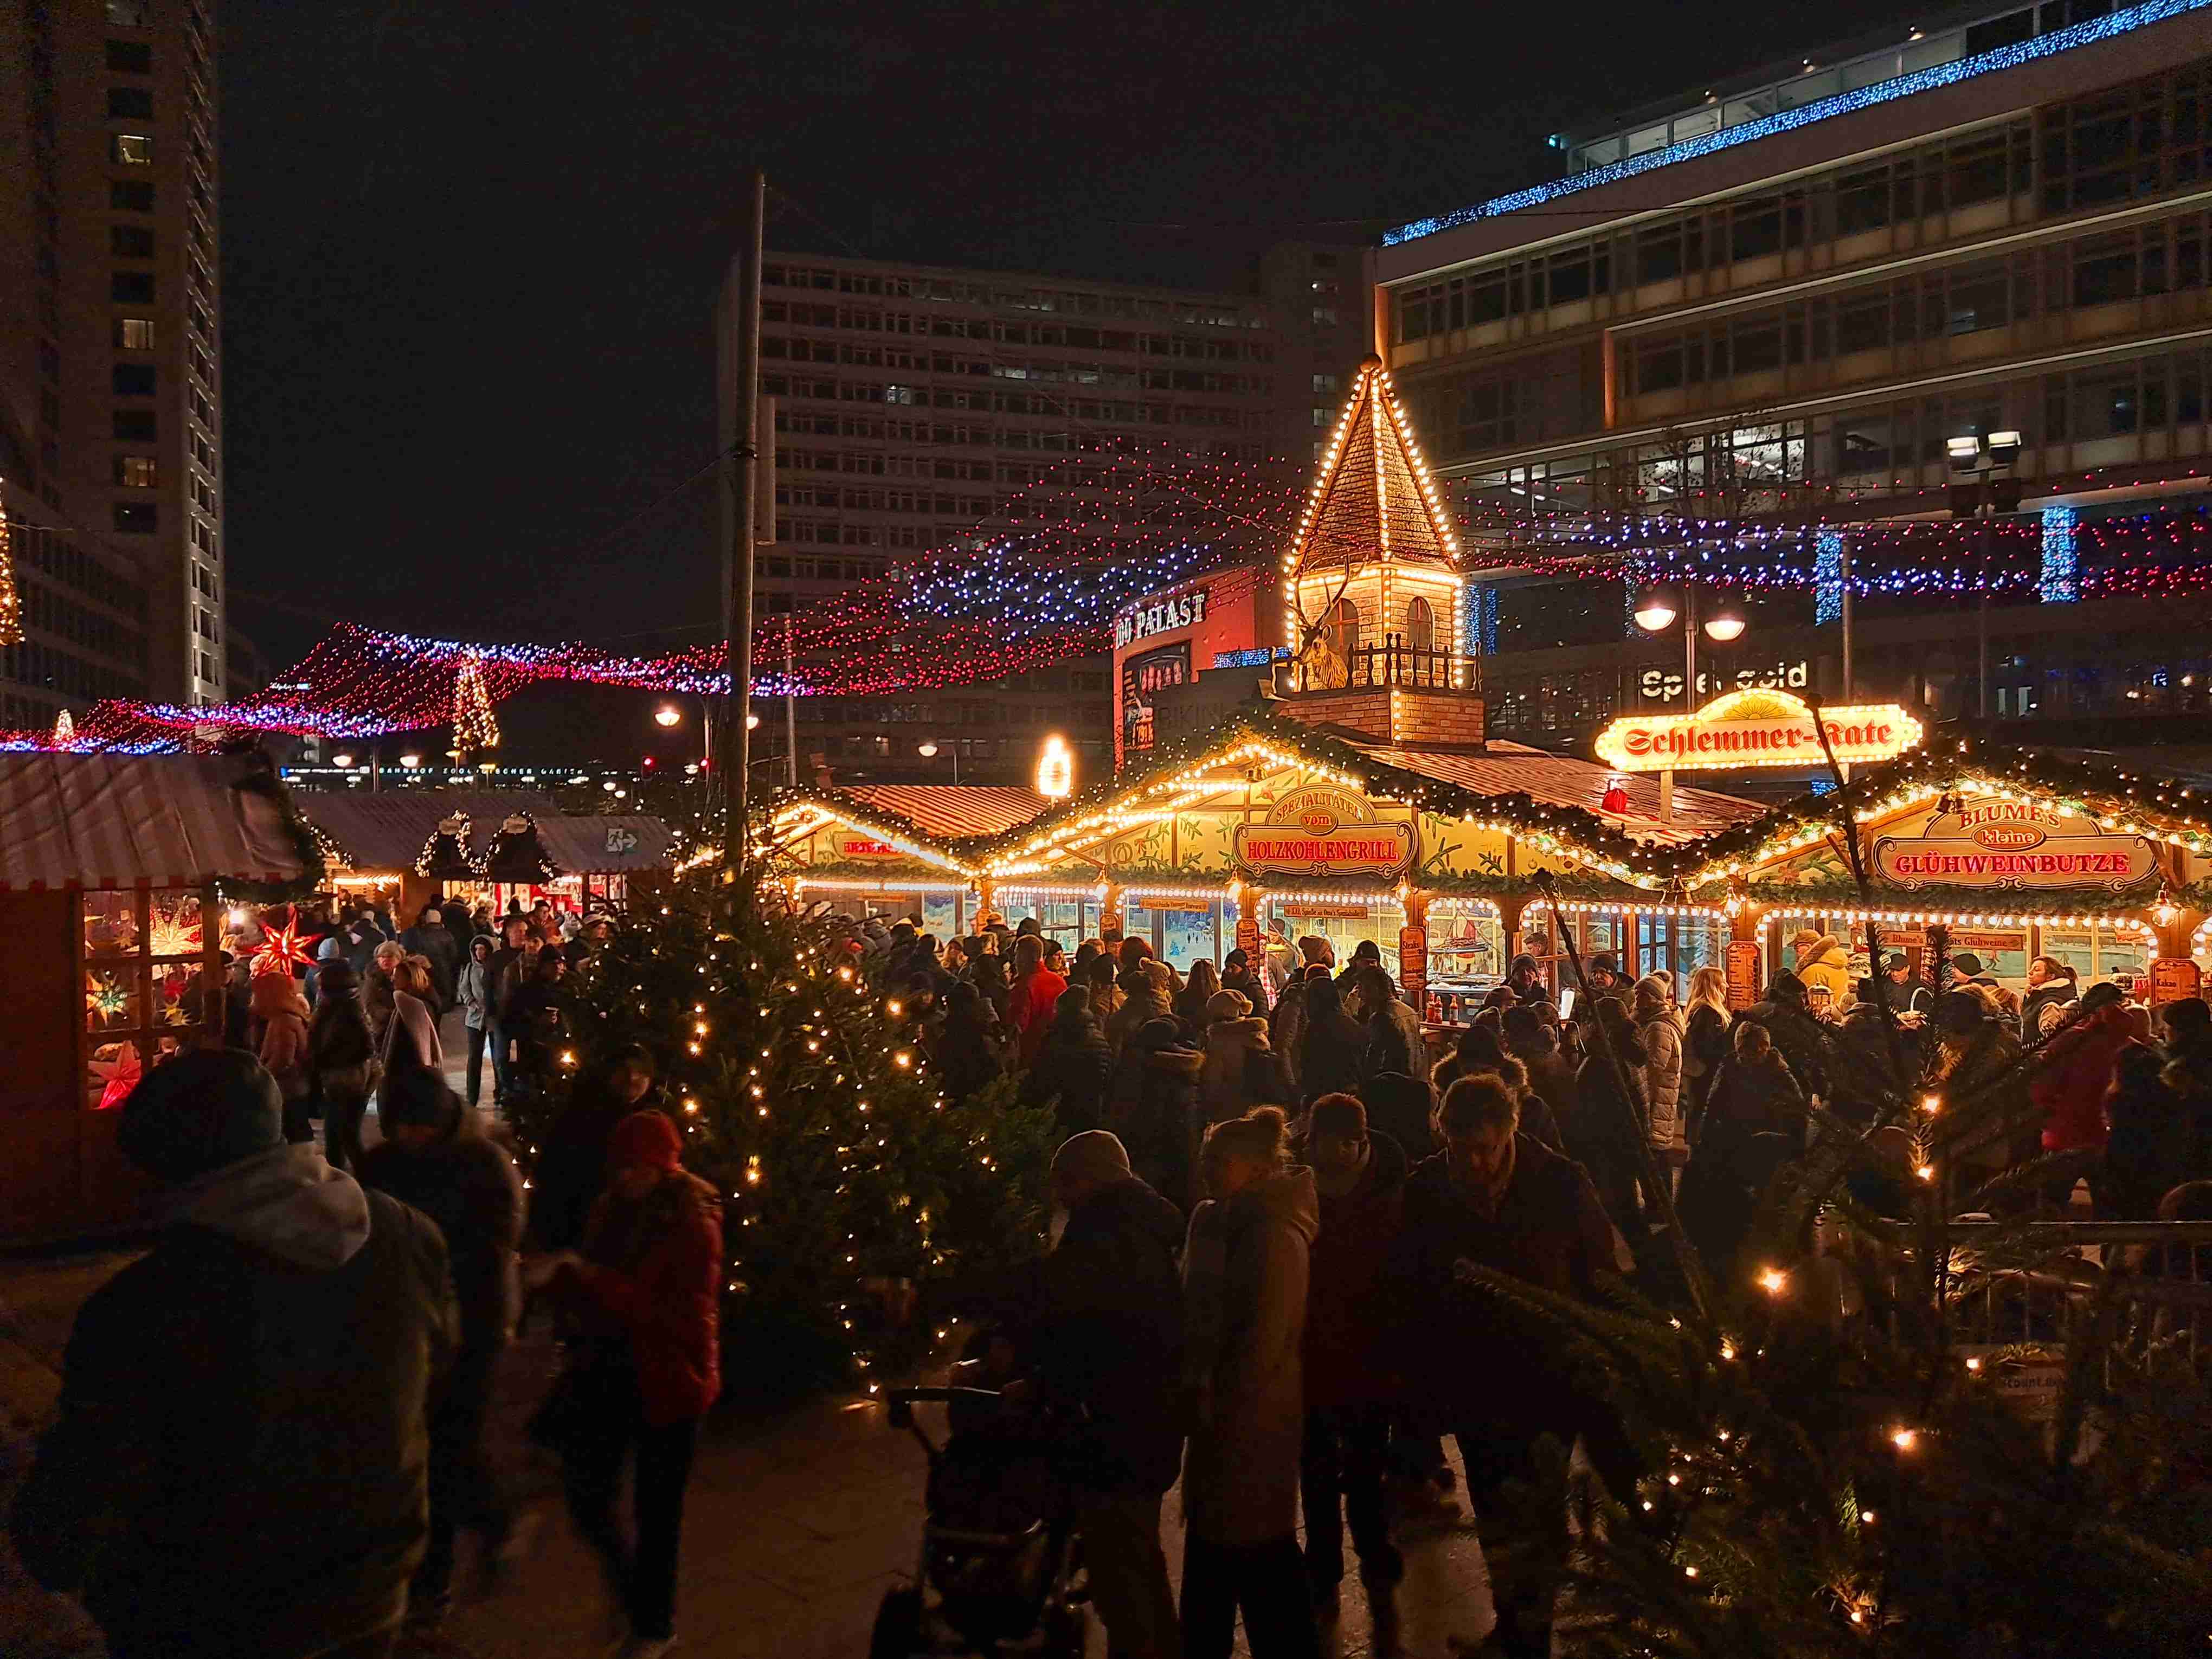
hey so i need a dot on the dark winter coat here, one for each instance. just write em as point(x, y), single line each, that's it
point(1705, 1045)
point(2007, 1130)
point(1551, 1080)
point(2074, 1075)
point(1145, 998)
point(1332, 1047)
point(1348, 1307)
point(1253, 985)
point(1105, 1330)
point(2188, 1074)
point(1401, 1107)
point(571, 1168)
point(240, 1457)
point(1245, 1279)
point(1393, 1040)
point(1550, 1230)
point(1604, 1136)
point(2148, 1153)
point(1242, 1070)
point(1075, 1066)
point(1863, 1078)
point(1160, 1126)
point(467, 1184)
point(1798, 1038)
point(2056, 992)
point(967, 1054)
point(650, 1282)
point(1762, 1097)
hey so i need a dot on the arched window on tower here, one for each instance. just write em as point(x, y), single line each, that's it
point(1420, 625)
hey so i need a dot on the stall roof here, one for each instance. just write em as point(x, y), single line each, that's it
point(148, 820)
point(385, 829)
point(951, 811)
point(1506, 769)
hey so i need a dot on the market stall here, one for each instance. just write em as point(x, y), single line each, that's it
point(2016, 855)
point(112, 869)
point(899, 851)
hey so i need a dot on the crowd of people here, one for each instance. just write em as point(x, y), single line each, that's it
point(271, 1429)
point(1284, 1223)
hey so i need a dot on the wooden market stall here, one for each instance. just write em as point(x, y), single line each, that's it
point(379, 842)
point(899, 850)
point(111, 866)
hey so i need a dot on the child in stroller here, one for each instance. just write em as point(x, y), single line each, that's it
point(1000, 1564)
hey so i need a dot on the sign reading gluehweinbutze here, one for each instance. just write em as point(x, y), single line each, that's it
point(2014, 844)
point(1759, 727)
point(1322, 831)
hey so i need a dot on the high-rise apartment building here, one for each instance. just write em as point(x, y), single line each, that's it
point(109, 319)
point(913, 402)
point(1811, 312)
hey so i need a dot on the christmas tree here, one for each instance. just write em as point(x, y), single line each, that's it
point(854, 1187)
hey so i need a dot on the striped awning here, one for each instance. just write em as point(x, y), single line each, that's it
point(137, 821)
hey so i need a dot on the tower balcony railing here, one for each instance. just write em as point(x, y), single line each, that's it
point(1393, 663)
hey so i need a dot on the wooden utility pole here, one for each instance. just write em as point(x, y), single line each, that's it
point(738, 571)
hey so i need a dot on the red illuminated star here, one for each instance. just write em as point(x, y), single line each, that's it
point(281, 950)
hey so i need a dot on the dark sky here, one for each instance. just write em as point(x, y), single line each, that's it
point(471, 250)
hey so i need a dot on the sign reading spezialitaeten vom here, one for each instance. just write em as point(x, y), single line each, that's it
point(1319, 829)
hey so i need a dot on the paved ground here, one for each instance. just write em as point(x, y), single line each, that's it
point(796, 1525)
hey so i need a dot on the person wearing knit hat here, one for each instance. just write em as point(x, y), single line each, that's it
point(276, 1345)
point(647, 1283)
point(435, 1157)
point(1107, 1335)
point(1074, 1065)
point(1227, 1004)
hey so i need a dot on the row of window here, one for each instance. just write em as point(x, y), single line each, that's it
point(970, 507)
point(40, 550)
point(999, 331)
point(46, 610)
point(779, 348)
point(2129, 143)
point(2139, 262)
point(1104, 413)
point(33, 663)
point(1076, 302)
point(877, 464)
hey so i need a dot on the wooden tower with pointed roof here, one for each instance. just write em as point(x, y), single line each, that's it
point(1371, 591)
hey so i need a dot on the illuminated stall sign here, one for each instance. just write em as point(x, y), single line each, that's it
point(1158, 616)
point(1319, 830)
point(1759, 727)
point(857, 844)
point(2012, 844)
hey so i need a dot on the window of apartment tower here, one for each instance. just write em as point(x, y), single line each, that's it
point(130, 241)
point(129, 57)
point(131, 149)
point(136, 471)
point(135, 333)
point(129, 14)
point(133, 380)
point(130, 103)
point(138, 518)
point(125, 196)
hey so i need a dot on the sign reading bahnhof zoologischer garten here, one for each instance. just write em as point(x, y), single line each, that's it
point(1319, 830)
point(1756, 727)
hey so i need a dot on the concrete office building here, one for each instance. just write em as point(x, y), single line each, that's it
point(913, 403)
point(1804, 303)
point(109, 345)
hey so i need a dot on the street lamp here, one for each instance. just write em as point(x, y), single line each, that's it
point(1656, 612)
point(1982, 469)
point(927, 750)
point(411, 760)
point(341, 762)
point(668, 714)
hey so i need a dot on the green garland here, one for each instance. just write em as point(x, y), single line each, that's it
point(259, 778)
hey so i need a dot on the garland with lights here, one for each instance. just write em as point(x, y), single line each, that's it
point(445, 855)
point(515, 853)
point(852, 1186)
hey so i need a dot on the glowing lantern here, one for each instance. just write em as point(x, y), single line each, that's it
point(1056, 770)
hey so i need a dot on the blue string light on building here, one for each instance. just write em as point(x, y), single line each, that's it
point(2059, 581)
point(1828, 576)
point(1788, 121)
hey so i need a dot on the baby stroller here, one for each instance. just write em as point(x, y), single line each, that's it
point(1001, 1568)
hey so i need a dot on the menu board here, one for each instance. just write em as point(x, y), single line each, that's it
point(2173, 978)
point(1742, 973)
point(1247, 937)
point(1414, 964)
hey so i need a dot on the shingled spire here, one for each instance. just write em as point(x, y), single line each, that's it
point(1372, 498)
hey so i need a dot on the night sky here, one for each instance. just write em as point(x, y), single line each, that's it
point(471, 250)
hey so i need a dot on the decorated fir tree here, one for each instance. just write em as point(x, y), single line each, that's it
point(854, 1186)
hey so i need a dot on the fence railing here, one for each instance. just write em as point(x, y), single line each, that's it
point(1394, 662)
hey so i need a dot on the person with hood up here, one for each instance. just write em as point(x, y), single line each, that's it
point(1401, 1106)
point(1032, 997)
point(1238, 974)
point(435, 1158)
point(1801, 1040)
point(1661, 1030)
point(1242, 1069)
point(1246, 1274)
point(1161, 1120)
point(238, 1463)
point(2072, 1082)
point(1756, 1092)
point(1198, 989)
point(343, 1070)
point(571, 1171)
point(1146, 996)
point(1359, 1175)
point(1528, 1037)
point(473, 992)
point(1495, 1199)
point(1332, 1045)
point(1602, 1130)
point(1393, 1030)
point(1286, 1026)
point(1481, 1049)
point(966, 1051)
point(1074, 1069)
point(986, 972)
point(281, 1013)
point(1822, 960)
point(1105, 1332)
point(647, 1282)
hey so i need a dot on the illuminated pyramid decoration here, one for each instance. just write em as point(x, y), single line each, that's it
point(1373, 562)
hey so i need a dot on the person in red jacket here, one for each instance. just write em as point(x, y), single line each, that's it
point(1035, 991)
point(647, 1284)
point(1361, 1178)
point(2076, 1073)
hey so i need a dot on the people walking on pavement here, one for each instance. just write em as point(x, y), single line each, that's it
point(508, 968)
point(281, 1013)
point(1245, 1279)
point(1106, 1334)
point(435, 1158)
point(342, 1065)
point(571, 1168)
point(1074, 1069)
point(473, 992)
point(239, 1463)
point(648, 1283)
point(413, 1036)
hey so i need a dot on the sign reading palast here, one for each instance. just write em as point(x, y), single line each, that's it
point(1321, 830)
point(1756, 727)
point(2009, 843)
point(1158, 615)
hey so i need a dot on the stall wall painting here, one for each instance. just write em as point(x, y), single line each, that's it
point(2008, 845)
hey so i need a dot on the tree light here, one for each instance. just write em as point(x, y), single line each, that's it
point(1773, 1281)
point(1931, 1104)
point(1904, 1439)
point(1926, 1172)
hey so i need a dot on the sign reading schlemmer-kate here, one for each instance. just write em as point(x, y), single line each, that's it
point(1757, 726)
point(1321, 830)
point(2014, 844)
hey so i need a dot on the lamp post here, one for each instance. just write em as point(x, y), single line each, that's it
point(1981, 478)
point(927, 750)
point(668, 716)
point(1656, 612)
